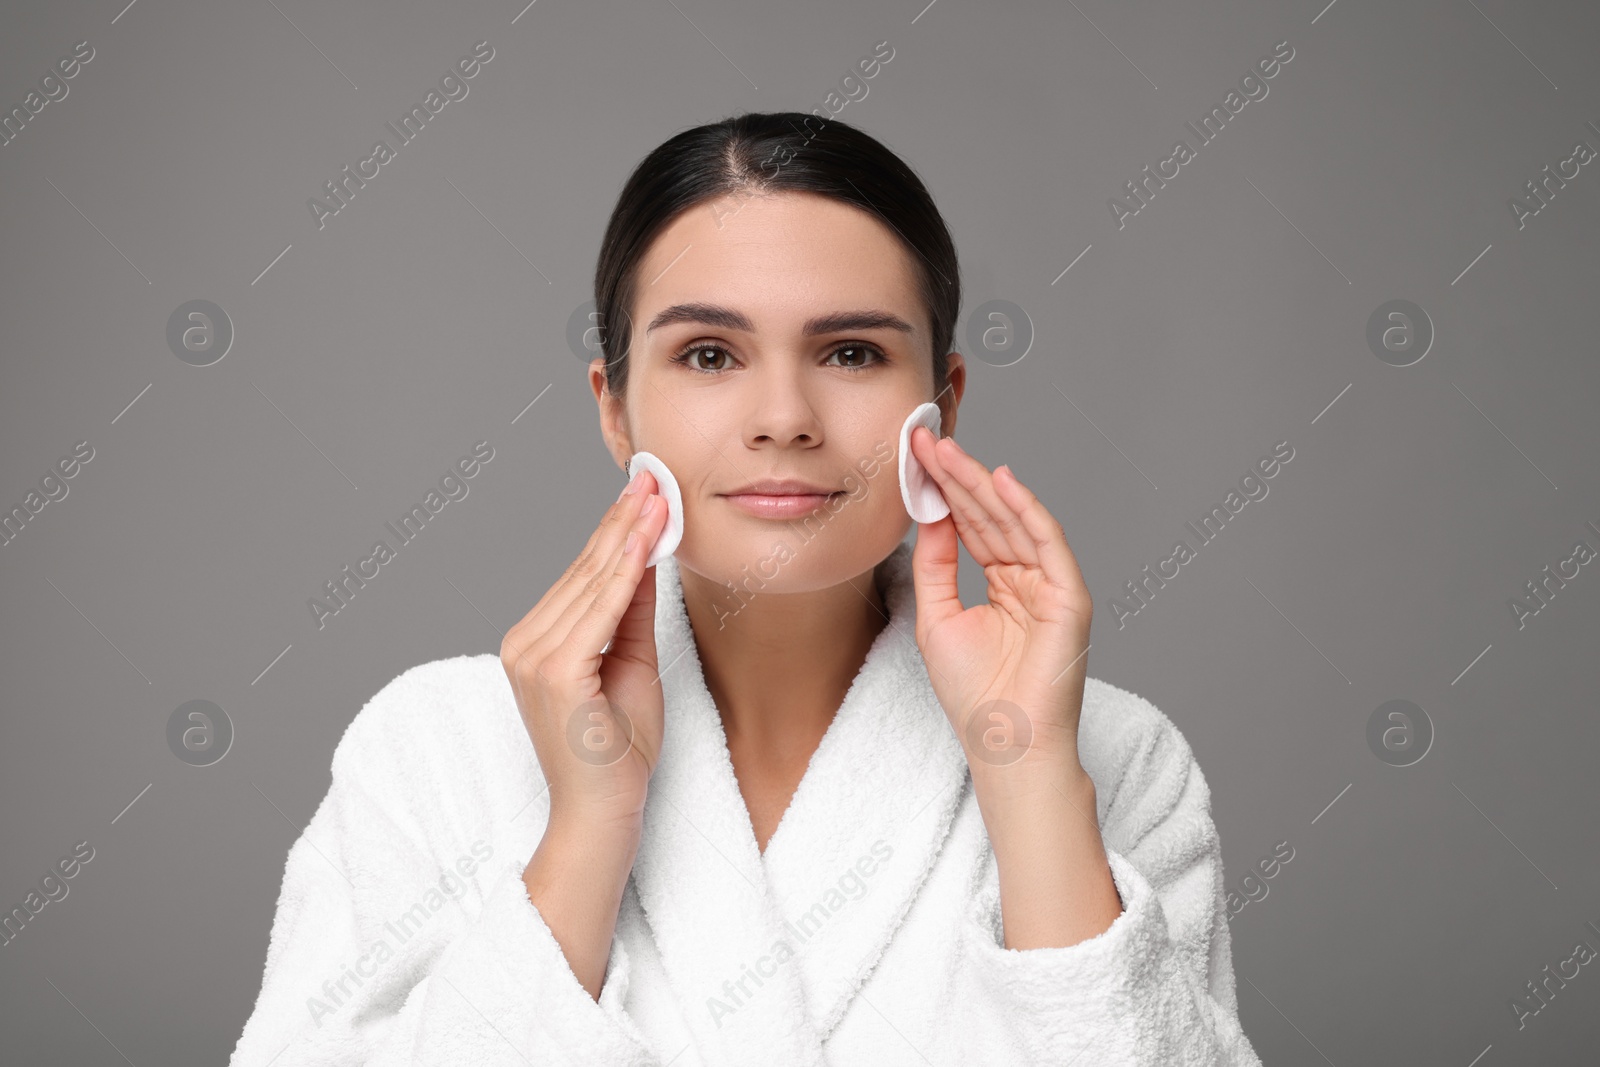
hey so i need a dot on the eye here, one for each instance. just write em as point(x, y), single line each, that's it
point(687, 355)
point(859, 356)
point(859, 351)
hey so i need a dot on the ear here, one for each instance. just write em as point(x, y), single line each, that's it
point(613, 414)
point(950, 393)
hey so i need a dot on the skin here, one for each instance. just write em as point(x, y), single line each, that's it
point(762, 398)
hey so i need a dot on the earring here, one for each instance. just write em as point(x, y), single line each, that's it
point(625, 471)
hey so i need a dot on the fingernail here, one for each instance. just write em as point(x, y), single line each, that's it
point(633, 484)
point(649, 506)
point(633, 539)
point(953, 441)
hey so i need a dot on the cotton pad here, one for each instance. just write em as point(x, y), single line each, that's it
point(672, 533)
point(918, 490)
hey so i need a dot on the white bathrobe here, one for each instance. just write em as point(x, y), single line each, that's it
point(868, 933)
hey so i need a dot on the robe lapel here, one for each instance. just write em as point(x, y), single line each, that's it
point(766, 951)
point(870, 815)
point(699, 878)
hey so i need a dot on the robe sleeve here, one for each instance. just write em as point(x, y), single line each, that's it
point(393, 947)
point(1157, 986)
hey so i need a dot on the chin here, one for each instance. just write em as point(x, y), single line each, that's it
point(790, 557)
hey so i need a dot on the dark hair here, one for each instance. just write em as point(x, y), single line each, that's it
point(768, 152)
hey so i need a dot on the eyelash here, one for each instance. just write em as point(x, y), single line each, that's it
point(684, 355)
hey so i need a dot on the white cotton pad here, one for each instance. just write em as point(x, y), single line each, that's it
point(918, 490)
point(667, 486)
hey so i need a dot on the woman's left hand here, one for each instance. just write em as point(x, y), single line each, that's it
point(1009, 673)
point(1010, 676)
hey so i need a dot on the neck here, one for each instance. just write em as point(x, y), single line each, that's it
point(779, 669)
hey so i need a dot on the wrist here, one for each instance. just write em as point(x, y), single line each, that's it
point(588, 827)
point(578, 851)
point(1030, 781)
point(1017, 803)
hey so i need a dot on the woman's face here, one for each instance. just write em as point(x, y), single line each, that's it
point(778, 337)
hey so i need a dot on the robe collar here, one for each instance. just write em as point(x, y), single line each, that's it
point(765, 951)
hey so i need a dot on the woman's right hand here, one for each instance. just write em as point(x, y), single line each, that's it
point(594, 713)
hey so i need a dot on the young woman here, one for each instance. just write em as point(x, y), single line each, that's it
point(780, 798)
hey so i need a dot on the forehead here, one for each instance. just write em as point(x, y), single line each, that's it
point(780, 259)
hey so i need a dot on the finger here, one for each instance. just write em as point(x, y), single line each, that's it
point(614, 525)
point(540, 630)
point(1050, 540)
point(591, 619)
point(612, 530)
point(925, 445)
point(935, 572)
point(979, 481)
point(603, 547)
point(987, 544)
point(634, 637)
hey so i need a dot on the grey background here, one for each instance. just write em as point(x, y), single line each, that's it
point(1226, 317)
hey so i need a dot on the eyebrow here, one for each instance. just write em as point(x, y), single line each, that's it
point(729, 319)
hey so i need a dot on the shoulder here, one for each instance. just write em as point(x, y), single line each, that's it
point(436, 713)
point(1144, 771)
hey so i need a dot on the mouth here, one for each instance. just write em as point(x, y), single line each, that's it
point(779, 505)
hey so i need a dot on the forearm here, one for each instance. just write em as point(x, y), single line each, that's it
point(575, 879)
point(1056, 887)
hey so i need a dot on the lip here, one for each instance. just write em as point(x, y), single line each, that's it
point(779, 498)
point(778, 505)
point(781, 487)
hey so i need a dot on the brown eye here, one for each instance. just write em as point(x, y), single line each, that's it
point(687, 355)
point(858, 357)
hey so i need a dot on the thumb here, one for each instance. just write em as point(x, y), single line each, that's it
point(934, 571)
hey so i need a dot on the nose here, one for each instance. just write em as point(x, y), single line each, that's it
point(783, 410)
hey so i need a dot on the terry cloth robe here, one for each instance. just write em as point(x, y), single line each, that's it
point(867, 933)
